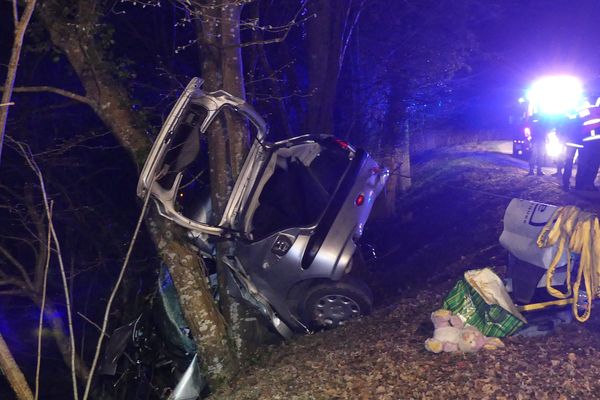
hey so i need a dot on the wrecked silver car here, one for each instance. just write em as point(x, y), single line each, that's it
point(294, 216)
point(294, 219)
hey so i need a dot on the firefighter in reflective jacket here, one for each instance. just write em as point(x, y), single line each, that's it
point(589, 155)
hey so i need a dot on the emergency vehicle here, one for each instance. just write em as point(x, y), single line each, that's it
point(553, 99)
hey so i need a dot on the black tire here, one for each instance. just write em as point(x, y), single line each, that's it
point(330, 304)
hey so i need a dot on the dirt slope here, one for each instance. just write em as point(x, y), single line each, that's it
point(450, 222)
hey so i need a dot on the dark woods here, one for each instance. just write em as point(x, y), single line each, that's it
point(97, 78)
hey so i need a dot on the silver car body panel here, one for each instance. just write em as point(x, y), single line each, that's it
point(322, 249)
point(274, 276)
point(213, 103)
point(191, 383)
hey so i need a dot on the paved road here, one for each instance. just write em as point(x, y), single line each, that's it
point(499, 152)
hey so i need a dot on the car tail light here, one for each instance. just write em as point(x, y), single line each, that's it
point(344, 145)
point(360, 199)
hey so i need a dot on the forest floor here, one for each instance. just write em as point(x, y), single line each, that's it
point(449, 222)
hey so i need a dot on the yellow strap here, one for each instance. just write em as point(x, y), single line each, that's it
point(541, 306)
point(574, 231)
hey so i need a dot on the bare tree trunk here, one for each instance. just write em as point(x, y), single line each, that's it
point(403, 157)
point(395, 147)
point(209, 30)
point(77, 40)
point(110, 99)
point(13, 373)
point(219, 37)
point(199, 308)
point(233, 82)
point(325, 35)
point(245, 330)
point(20, 28)
point(259, 57)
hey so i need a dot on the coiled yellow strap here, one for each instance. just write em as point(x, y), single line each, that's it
point(574, 231)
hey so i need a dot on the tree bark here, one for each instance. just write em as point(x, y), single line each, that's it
point(111, 101)
point(325, 34)
point(258, 57)
point(199, 308)
point(13, 373)
point(222, 68)
point(77, 40)
point(395, 146)
point(233, 82)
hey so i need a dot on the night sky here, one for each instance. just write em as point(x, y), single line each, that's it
point(520, 42)
point(537, 38)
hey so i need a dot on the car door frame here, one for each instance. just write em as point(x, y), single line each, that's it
point(213, 103)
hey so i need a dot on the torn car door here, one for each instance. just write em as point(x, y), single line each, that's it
point(179, 152)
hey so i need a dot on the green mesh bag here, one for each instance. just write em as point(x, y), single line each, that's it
point(490, 317)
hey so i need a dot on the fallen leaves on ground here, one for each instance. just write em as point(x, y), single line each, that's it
point(453, 225)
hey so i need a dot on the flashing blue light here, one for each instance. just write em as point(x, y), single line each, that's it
point(556, 94)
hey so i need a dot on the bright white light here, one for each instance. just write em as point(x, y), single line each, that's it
point(556, 94)
point(584, 113)
point(592, 121)
point(554, 147)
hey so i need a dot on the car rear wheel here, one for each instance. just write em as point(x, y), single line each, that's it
point(330, 304)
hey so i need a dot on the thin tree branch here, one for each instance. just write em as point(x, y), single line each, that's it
point(58, 91)
point(18, 265)
point(15, 11)
point(42, 307)
point(346, 40)
point(26, 152)
point(95, 325)
point(20, 27)
point(114, 293)
point(26, 241)
point(14, 292)
point(16, 283)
